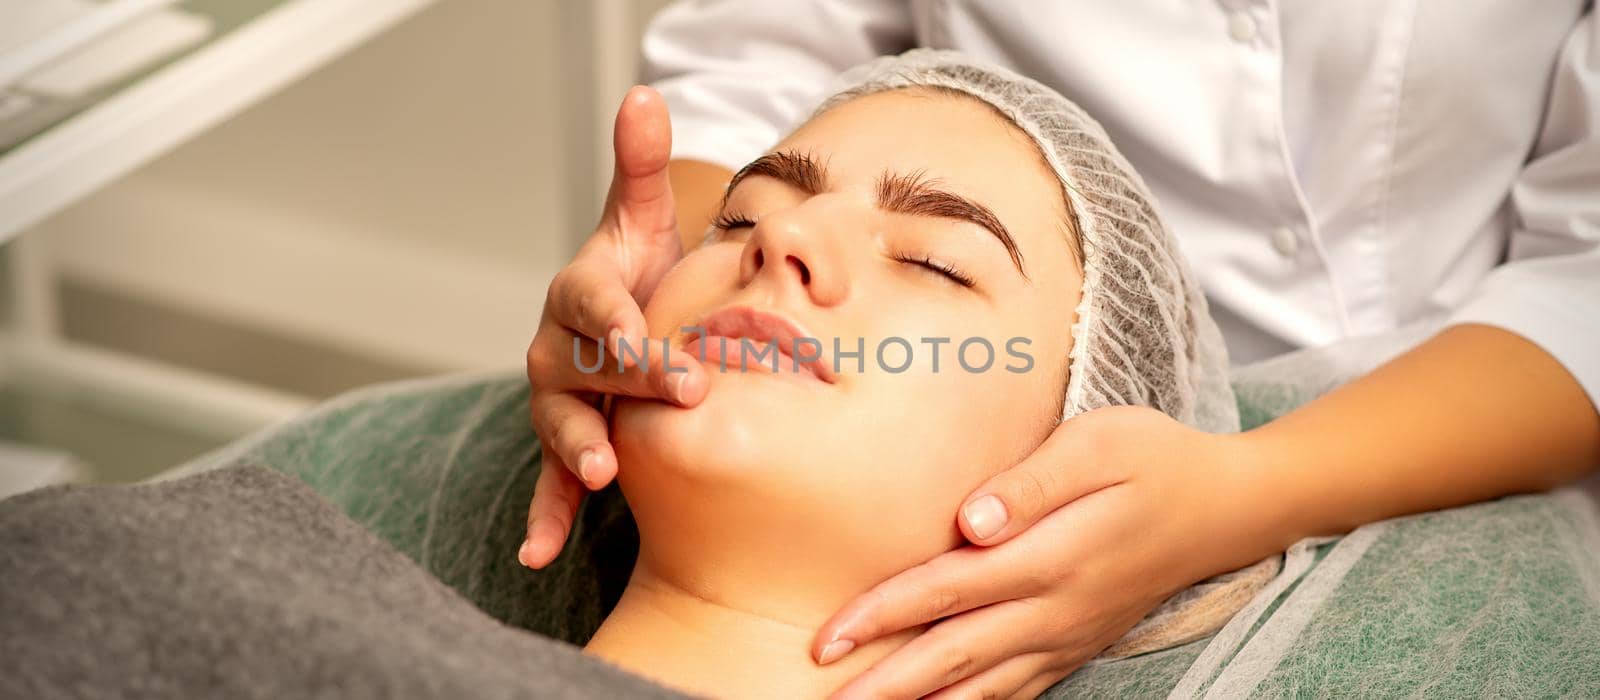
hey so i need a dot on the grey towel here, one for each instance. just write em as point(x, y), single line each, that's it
point(242, 582)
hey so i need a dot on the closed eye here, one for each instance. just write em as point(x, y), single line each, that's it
point(951, 272)
point(727, 221)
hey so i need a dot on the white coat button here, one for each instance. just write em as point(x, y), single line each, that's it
point(1284, 240)
point(1241, 27)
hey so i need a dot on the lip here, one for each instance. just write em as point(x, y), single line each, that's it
point(736, 322)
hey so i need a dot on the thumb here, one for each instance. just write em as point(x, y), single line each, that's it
point(641, 193)
point(1057, 473)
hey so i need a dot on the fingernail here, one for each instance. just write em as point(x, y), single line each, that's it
point(985, 516)
point(675, 386)
point(835, 650)
point(525, 553)
point(588, 461)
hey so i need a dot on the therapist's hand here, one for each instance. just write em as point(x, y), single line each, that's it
point(598, 297)
point(1116, 511)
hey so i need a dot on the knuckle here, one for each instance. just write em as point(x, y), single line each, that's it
point(943, 602)
point(567, 437)
point(1039, 578)
point(559, 285)
point(562, 506)
point(1034, 488)
point(541, 424)
point(956, 663)
point(608, 382)
point(1061, 572)
point(1051, 574)
point(1039, 572)
point(533, 350)
point(585, 307)
point(551, 502)
point(543, 366)
point(558, 437)
point(538, 369)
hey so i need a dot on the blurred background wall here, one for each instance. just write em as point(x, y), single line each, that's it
point(399, 212)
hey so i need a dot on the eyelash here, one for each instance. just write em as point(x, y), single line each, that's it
point(725, 221)
point(939, 267)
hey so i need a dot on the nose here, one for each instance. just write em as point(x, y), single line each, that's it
point(800, 249)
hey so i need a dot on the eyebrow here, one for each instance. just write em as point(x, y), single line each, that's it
point(913, 194)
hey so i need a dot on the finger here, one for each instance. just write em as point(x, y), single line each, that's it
point(556, 496)
point(949, 652)
point(659, 371)
point(642, 191)
point(1014, 677)
point(1058, 473)
point(592, 300)
point(1042, 682)
point(576, 433)
point(948, 584)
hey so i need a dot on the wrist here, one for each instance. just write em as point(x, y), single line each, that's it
point(1267, 498)
point(1239, 517)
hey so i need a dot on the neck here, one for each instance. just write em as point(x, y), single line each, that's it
point(708, 645)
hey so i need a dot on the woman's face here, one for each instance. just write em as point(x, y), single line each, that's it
point(909, 215)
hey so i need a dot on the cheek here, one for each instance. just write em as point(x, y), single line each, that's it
point(976, 415)
point(941, 433)
point(700, 282)
point(964, 426)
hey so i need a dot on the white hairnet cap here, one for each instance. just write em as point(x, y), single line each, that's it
point(1143, 335)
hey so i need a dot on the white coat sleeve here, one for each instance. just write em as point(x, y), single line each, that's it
point(1548, 290)
point(738, 74)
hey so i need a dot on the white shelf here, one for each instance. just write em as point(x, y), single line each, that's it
point(148, 118)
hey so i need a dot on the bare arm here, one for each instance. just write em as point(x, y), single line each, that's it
point(1475, 413)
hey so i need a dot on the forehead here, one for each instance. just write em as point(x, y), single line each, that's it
point(923, 129)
